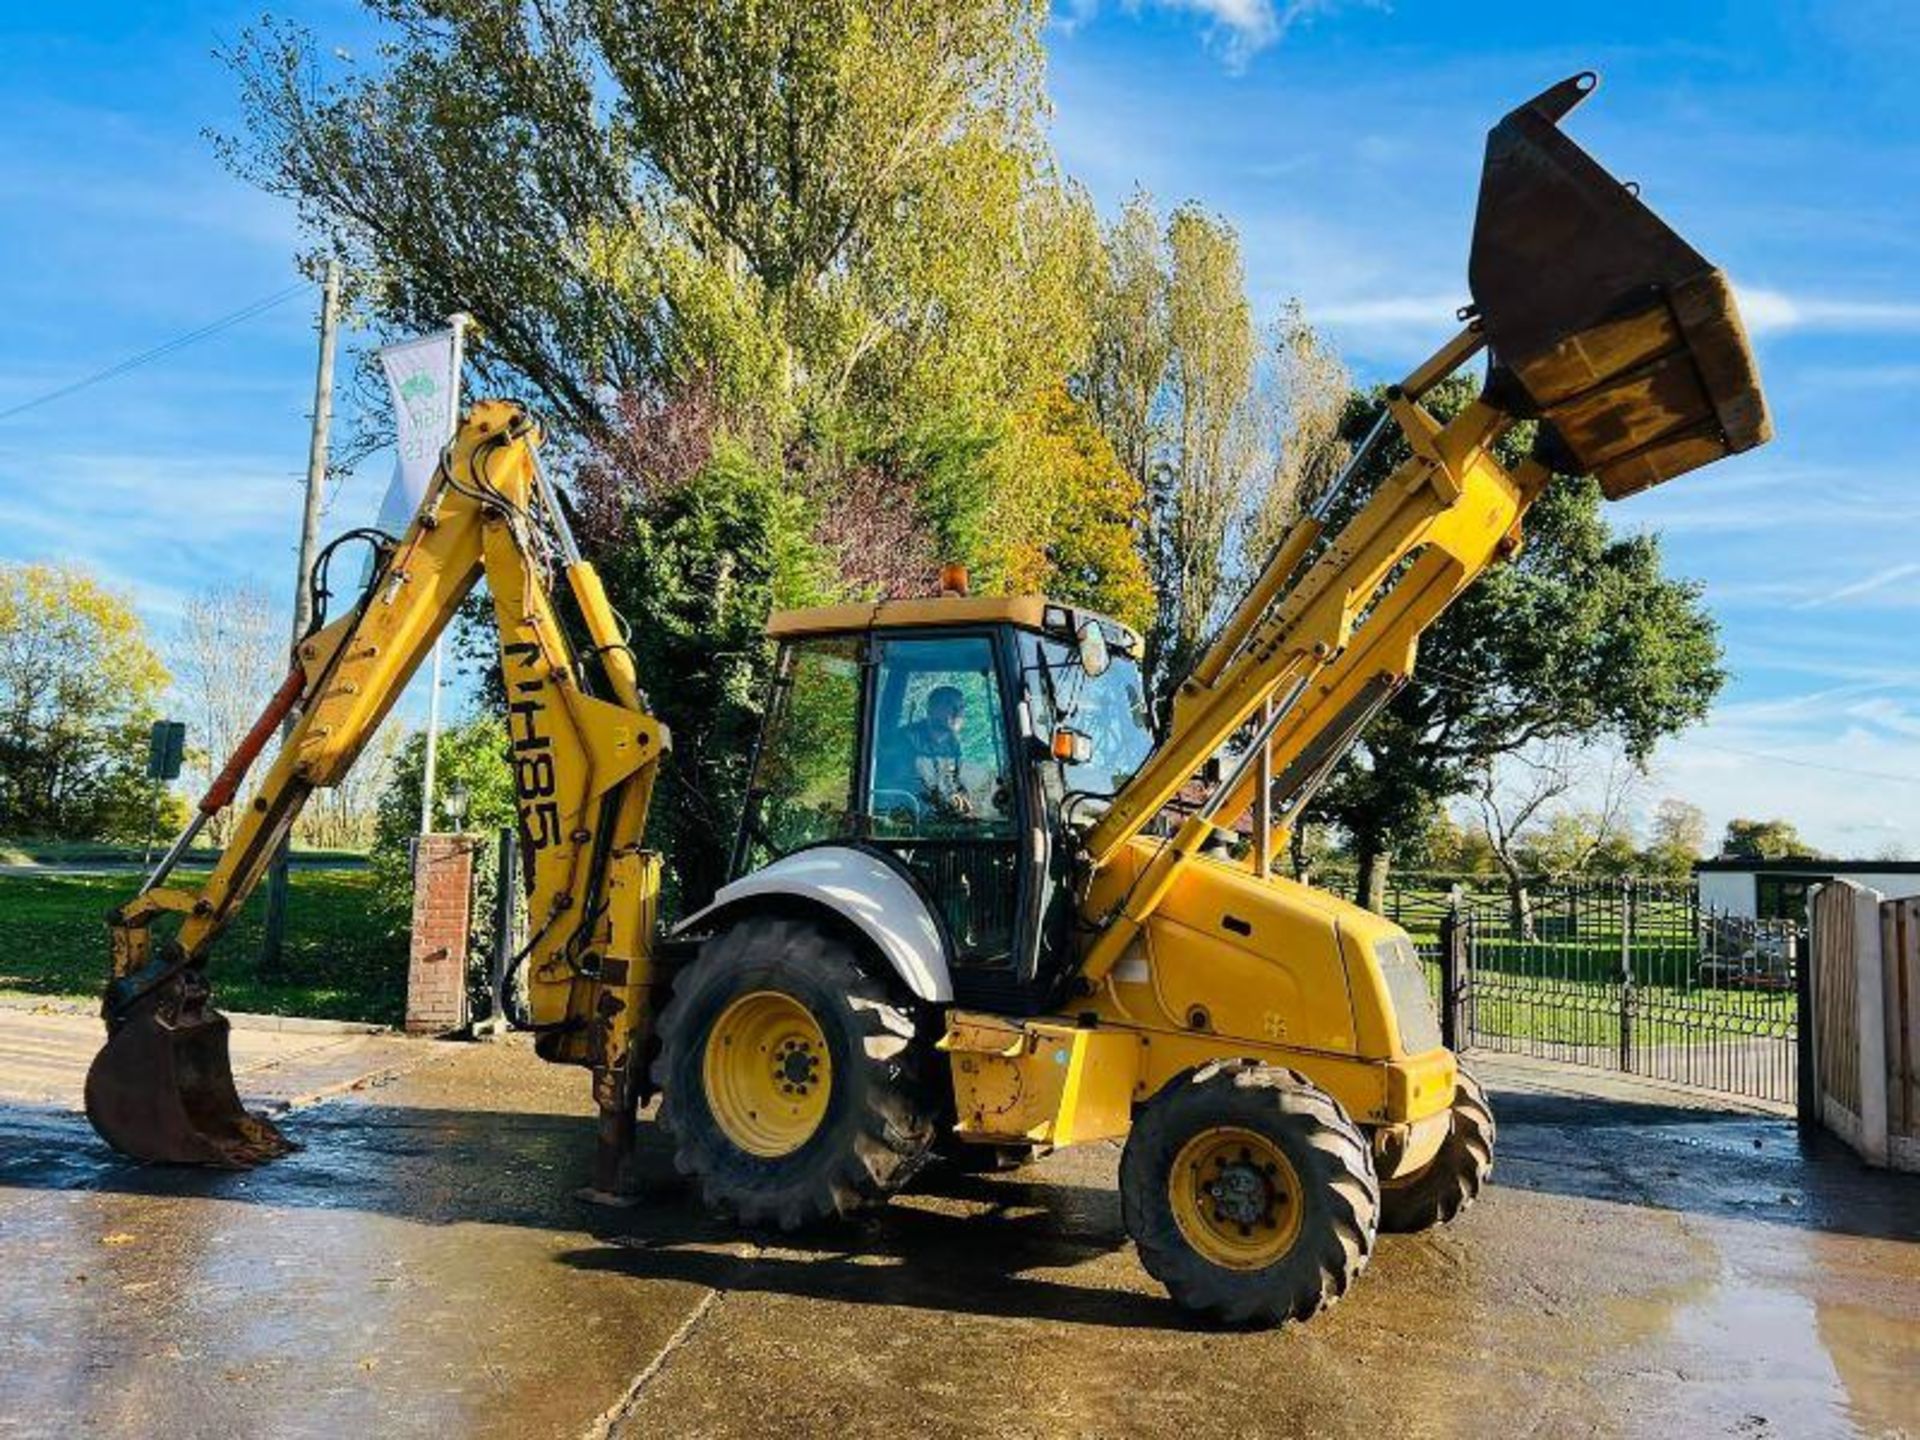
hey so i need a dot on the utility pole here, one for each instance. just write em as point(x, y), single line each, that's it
point(459, 322)
point(302, 593)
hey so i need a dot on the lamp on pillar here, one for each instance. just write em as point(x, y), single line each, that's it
point(455, 803)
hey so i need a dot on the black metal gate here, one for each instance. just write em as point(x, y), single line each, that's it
point(1629, 975)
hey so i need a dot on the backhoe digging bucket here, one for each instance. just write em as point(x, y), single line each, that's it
point(1622, 336)
point(161, 1088)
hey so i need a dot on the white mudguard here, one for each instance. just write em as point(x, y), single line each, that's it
point(868, 892)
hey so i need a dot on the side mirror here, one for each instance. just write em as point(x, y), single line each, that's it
point(1094, 657)
point(1071, 746)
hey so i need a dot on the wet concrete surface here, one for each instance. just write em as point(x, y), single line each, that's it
point(1641, 1267)
point(277, 1062)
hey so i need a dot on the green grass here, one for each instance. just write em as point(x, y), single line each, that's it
point(1589, 1015)
point(1566, 1011)
point(345, 958)
point(16, 850)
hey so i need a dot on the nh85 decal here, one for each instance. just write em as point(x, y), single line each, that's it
point(533, 774)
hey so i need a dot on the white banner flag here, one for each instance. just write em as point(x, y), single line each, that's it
point(425, 390)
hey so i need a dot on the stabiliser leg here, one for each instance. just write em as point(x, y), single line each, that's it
point(619, 1099)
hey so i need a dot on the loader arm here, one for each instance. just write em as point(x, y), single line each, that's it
point(1603, 325)
point(584, 766)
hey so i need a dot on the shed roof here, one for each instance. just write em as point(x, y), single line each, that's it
point(1809, 865)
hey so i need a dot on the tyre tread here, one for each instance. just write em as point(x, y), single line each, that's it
point(1453, 1179)
point(1344, 1179)
point(891, 1129)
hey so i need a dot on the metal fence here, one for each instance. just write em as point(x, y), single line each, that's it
point(1630, 975)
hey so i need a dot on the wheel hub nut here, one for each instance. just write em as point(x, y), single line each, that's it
point(1240, 1195)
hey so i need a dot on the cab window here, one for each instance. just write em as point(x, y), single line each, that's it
point(940, 766)
point(803, 780)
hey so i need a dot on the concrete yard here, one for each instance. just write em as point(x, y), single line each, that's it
point(1643, 1266)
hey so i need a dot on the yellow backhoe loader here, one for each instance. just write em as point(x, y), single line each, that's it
point(966, 915)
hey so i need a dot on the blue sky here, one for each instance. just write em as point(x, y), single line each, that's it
point(1343, 139)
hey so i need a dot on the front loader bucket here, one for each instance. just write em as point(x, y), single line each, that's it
point(1621, 335)
point(161, 1088)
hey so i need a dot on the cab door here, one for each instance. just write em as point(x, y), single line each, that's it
point(938, 790)
point(801, 789)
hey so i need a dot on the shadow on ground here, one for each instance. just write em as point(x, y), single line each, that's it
point(956, 1242)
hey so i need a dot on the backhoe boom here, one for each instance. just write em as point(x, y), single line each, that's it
point(583, 768)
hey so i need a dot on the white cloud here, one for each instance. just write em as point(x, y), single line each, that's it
point(1889, 715)
point(1240, 27)
point(1403, 316)
point(1841, 763)
point(1773, 312)
point(1389, 329)
point(1390, 312)
point(1866, 585)
point(1862, 377)
point(1832, 792)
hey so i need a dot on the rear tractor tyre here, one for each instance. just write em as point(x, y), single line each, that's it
point(1447, 1184)
point(791, 1076)
point(1250, 1194)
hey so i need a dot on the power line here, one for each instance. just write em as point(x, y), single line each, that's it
point(1448, 680)
point(132, 362)
point(1807, 764)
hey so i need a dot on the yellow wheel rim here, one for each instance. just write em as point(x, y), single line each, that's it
point(1235, 1197)
point(767, 1073)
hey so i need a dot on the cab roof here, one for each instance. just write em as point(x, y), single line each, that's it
point(1028, 612)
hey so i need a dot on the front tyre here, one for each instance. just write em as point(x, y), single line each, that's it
point(1250, 1194)
point(791, 1076)
point(1447, 1184)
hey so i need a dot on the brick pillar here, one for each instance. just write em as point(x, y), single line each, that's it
point(437, 955)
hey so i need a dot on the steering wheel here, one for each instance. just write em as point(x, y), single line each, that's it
point(894, 801)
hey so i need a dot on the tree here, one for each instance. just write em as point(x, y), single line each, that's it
point(1227, 439)
point(1765, 840)
point(1450, 848)
point(1532, 841)
point(1072, 537)
point(1132, 346)
point(1679, 838)
point(230, 652)
point(1581, 636)
point(1304, 408)
point(702, 563)
point(806, 204)
point(345, 816)
point(79, 688)
point(1210, 382)
point(796, 287)
point(471, 752)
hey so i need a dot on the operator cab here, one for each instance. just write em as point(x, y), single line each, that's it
point(957, 738)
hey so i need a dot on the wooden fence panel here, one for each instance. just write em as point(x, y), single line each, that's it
point(1865, 971)
point(1836, 1040)
point(1902, 963)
